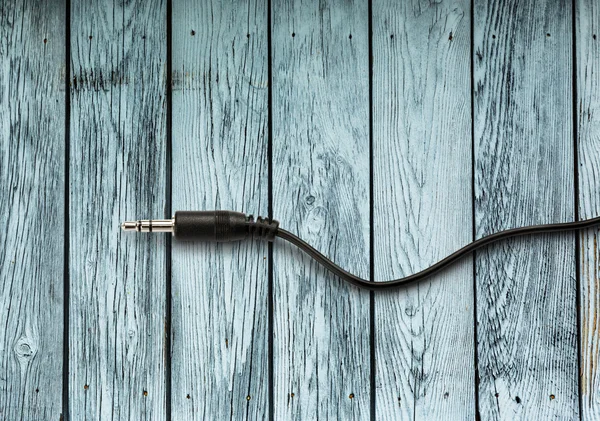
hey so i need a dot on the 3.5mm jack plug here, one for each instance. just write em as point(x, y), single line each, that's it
point(219, 226)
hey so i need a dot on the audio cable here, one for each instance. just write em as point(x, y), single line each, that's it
point(227, 226)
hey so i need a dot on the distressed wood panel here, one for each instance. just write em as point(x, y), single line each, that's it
point(32, 139)
point(117, 167)
point(220, 161)
point(321, 192)
point(587, 53)
point(526, 287)
point(423, 208)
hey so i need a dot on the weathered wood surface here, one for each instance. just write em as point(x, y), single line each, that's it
point(517, 360)
point(117, 172)
point(321, 354)
point(220, 161)
point(32, 138)
point(422, 208)
point(587, 53)
point(524, 174)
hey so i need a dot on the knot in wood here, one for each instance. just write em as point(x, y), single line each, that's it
point(25, 349)
point(410, 310)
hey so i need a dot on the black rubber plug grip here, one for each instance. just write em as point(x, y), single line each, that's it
point(222, 226)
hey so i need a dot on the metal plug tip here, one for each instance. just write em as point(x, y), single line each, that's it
point(129, 226)
point(149, 225)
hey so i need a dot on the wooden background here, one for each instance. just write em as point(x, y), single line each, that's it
point(388, 134)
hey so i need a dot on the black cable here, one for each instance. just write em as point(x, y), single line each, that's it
point(225, 226)
point(431, 270)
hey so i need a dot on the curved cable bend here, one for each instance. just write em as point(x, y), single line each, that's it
point(452, 258)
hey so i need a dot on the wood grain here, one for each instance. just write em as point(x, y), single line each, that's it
point(422, 209)
point(526, 287)
point(587, 53)
point(220, 161)
point(117, 168)
point(321, 192)
point(32, 139)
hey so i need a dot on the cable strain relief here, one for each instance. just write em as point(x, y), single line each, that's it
point(262, 228)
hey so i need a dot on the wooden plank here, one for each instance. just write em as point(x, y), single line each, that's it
point(117, 167)
point(32, 138)
point(321, 192)
point(220, 161)
point(526, 287)
point(587, 53)
point(422, 208)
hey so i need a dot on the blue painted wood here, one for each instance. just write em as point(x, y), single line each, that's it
point(527, 330)
point(321, 192)
point(422, 209)
point(524, 174)
point(587, 53)
point(220, 114)
point(117, 172)
point(32, 164)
